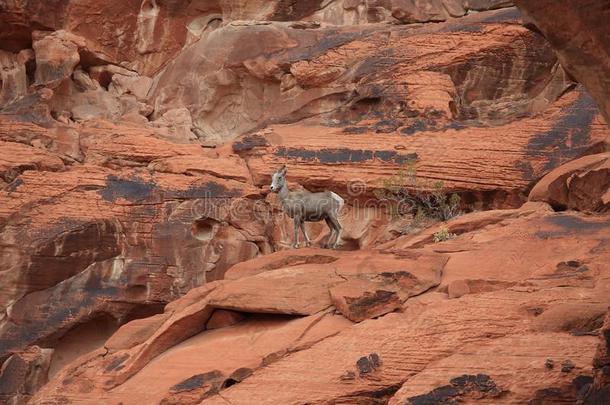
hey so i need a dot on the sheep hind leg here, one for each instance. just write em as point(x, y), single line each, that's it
point(337, 228)
point(331, 226)
point(307, 240)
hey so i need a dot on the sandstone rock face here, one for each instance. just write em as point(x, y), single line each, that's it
point(438, 155)
point(579, 36)
point(138, 237)
point(598, 390)
point(24, 373)
point(583, 184)
point(493, 338)
point(56, 55)
point(285, 76)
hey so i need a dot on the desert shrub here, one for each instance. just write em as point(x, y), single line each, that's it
point(405, 193)
point(443, 235)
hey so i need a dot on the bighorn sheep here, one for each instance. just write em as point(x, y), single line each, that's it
point(304, 206)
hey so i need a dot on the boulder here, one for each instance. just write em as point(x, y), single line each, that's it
point(580, 39)
point(24, 373)
point(57, 54)
point(582, 184)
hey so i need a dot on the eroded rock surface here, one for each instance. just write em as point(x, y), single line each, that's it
point(580, 38)
point(521, 319)
point(582, 184)
point(138, 238)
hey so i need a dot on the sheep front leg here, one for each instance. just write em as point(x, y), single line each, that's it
point(295, 240)
point(302, 226)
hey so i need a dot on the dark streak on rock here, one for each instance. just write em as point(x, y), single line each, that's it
point(512, 14)
point(366, 365)
point(363, 365)
point(367, 302)
point(197, 381)
point(599, 397)
point(207, 190)
point(569, 136)
point(116, 363)
point(482, 385)
point(356, 130)
point(133, 189)
point(249, 142)
point(573, 223)
point(294, 10)
point(12, 186)
point(344, 155)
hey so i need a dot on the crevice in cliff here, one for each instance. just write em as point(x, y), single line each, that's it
point(82, 338)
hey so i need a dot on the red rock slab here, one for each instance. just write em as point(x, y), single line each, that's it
point(101, 240)
point(23, 374)
point(470, 222)
point(298, 290)
point(219, 350)
point(361, 284)
point(17, 157)
point(137, 148)
point(580, 39)
point(334, 370)
point(259, 341)
point(22, 131)
point(496, 249)
point(180, 326)
point(282, 259)
point(222, 318)
point(413, 77)
point(559, 245)
point(135, 332)
point(582, 184)
point(380, 283)
point(230, 167)
point(507, 370)
point(488, 167)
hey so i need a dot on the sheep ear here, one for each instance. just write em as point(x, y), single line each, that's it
point(283, 170)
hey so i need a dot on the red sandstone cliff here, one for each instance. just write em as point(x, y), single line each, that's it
point(142, 259)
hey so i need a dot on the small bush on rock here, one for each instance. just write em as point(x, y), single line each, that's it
point(406, 194)
point(443, 235)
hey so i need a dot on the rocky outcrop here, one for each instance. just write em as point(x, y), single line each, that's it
point(598, 390)
point(344, 159)
point(578, 34)
point(143, 35)
point(583, 184)
point(524, 323)
point(24, 373)
point(138, 237)
point(414, 79)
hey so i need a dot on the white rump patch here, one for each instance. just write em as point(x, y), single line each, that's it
point(337, 198)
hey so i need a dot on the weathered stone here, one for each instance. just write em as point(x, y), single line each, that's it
point(222, 318)
point(56, 55)
point(580, 39)
point(458, 288)
point(136, 143)
point(582, 184)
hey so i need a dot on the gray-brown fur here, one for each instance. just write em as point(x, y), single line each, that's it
point(304, 206)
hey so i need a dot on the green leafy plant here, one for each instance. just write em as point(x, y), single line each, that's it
point(406, 193)
point(443, 235)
